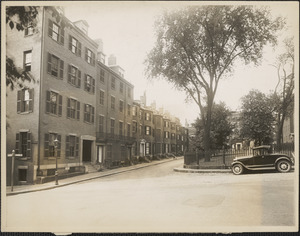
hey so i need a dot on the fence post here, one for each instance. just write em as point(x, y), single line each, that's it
point(224, 156)
point(197, 157)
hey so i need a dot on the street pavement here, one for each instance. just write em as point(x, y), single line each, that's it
point(159, 199)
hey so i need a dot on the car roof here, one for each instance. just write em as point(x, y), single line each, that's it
point(262, 147)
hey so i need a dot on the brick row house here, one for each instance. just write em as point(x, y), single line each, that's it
point(75, 98)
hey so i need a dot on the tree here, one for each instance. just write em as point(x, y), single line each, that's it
point(197, 46)
point(257, 117)
point(283, 96)
point(20, 18)
point(221, 127)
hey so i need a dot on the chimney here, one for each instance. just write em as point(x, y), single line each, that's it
point(100, 53)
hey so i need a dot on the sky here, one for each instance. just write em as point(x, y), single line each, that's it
point(127, 31)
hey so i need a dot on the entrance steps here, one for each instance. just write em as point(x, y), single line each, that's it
point(91, 168)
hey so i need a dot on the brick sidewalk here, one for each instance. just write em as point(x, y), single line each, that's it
point(20, 189)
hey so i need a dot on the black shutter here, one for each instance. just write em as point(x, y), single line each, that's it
point(85, 82)
point(69, 73)
point(70, 42)
point(17, 143)
point(58, 145)
point(19, 96)
point(28, 153)
point(48, 102)
point(78, 78)
point(93, 111)
point(46, 145)
point(59, 105)
point(62, 35)
point(61, 69)
point(77, 147)
point(69, 108)
point(85, 115)
point(93, 58)
point(67, 146)
point(78, 110)
point(86, 54)
point(79, 49)
point(93, 85)
point(50, 28)
point(31, 99)
point(49, 63)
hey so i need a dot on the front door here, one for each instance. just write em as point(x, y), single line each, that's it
point(87, 151)
point(100, 153)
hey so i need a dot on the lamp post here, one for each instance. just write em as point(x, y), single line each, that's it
point(55, 152)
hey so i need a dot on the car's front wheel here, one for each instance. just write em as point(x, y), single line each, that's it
point(283, 166)
point(237, 169)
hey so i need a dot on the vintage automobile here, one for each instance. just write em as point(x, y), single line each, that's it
point(262, 158)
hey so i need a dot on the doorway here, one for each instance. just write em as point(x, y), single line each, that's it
point(100, 153)
point(87, 151)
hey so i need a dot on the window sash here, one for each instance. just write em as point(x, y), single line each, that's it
point(101, 97)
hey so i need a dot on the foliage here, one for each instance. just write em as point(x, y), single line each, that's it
point(257, 117)
point(19, 18)
point(197, 46)
point(221, 128)
point(283, 96)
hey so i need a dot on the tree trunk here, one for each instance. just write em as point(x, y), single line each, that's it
point(207, 128)
point(279, 131)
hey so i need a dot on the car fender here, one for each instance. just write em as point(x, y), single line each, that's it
point(238, 162)
point(283, 158)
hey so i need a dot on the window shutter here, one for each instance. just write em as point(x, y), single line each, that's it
point(69, 107)
point(50, 27)
point(67, 146)
point(58, 145)
point(61, 69)
point(17, 143)
point(79, 49)
point(86, 54)
point(59, 105)
point(48, 102)
point(93, 85)
point(77, 147)
point(49, 63)
point(28, 153)
point(93, 58)
point(46, 145)
point(78, 78)
point(70, 42)
point(62, 35)
point(85, 82)
point(149, 130)
point(78, 110)
point(85, 115)
point(19, 101)
point(31, 99)
point(69, 73)
point(145, 130)
point(93, 111)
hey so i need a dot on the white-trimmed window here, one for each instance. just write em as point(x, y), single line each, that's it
point(23, 143)
point(25, 100)
point(121, 106)
point(55, 66)
point(147, 130)
point(74, 76)
point(112, 126)
point(147, 116)
point(147, 148)
point(113, 83)
point(49, 145)
point(166, 134)
point(121, 128)
point(121, 87)
point(29, 30)
point(89, 84)
point(128, 130)
point(102, 76)
point(53, 103)
point(74, 46)
point(89, 56)
point(56, 32)
point(101, 123)
point(27, 60)
point(89, 111)
point(102, 97)
point(73, 109)
point(72, 146)
point(112, 102)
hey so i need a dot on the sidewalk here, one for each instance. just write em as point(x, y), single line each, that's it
point(20, 189)
point(188, 170)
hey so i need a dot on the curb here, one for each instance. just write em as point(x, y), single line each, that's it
point(183, 170)
point(86, 179)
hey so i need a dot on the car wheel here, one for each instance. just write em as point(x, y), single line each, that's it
point(237, 169)
point(283, 166)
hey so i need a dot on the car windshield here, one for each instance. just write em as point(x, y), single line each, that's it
point(261, 151)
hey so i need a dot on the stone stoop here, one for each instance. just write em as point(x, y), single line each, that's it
point(91, 168)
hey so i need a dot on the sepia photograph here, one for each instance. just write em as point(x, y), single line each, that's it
point(149, 116)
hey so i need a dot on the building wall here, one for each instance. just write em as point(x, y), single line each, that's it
point(16, 44)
